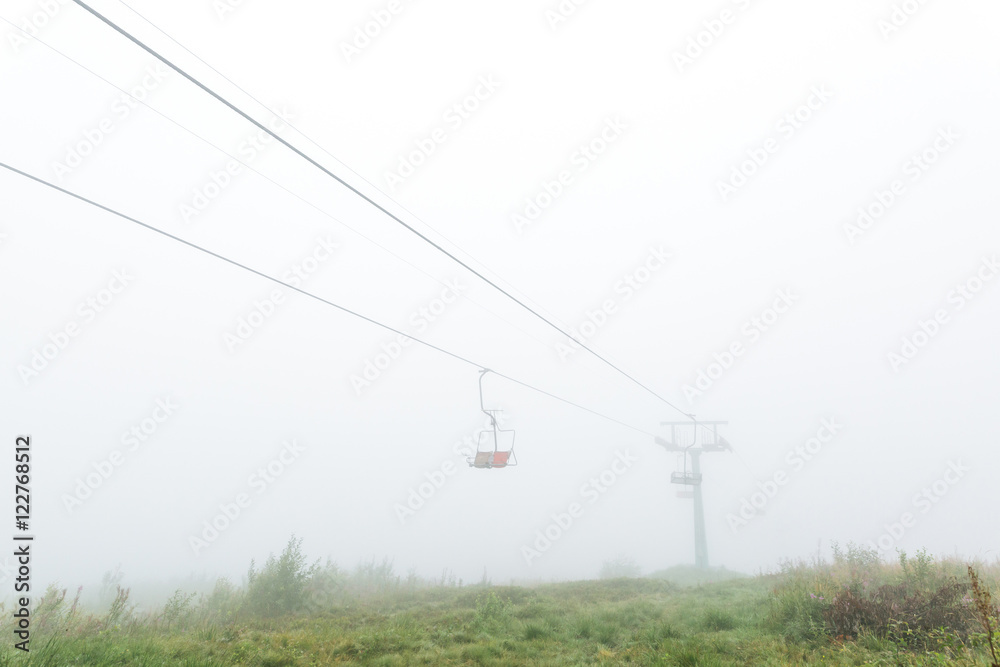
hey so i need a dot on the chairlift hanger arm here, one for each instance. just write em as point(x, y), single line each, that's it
point(482, 403)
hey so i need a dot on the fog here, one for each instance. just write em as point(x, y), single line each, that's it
point(776, 214)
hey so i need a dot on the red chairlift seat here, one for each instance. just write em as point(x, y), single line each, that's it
point(495, 446)
point(489, 453)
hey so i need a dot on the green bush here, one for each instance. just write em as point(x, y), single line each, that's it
point(175, 611)
point(621, 567)
point(280, 587)
point(491, 609)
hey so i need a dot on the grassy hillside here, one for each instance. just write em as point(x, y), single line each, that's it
point(854, 611)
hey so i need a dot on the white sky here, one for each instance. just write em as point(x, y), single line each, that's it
point(677, 133)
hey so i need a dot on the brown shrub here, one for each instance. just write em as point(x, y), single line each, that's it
point(900, 612)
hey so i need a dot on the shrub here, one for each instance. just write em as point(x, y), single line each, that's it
point(919, 570)
point(373, 578)
point(850, 613)
point(121, 614)
point(621, 567)
point(491, 609)
point(859, 565)
point(325, 588)
point(174, 611)
point(279, 588)
point(986, 614)
point(798, 605)
point(51, 612)
point(110, 584)
point(222, 604)
point(901, 612)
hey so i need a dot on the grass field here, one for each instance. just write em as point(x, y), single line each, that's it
point(853, 611)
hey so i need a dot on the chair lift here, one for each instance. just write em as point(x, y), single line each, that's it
point(687, 478)
point(494, 449)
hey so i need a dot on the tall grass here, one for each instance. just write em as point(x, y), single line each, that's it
point(853, 610)
point(916, 603)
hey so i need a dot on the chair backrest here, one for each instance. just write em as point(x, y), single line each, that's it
point(500, 459)
point(482, 459)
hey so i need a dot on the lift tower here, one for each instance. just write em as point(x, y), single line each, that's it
point(684, 438)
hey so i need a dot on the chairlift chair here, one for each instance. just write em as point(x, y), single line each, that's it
point(685, 477)
point(689, 478)
point(494, 446)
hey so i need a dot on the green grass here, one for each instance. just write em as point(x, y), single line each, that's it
point(777, 619)
point(688, 575)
